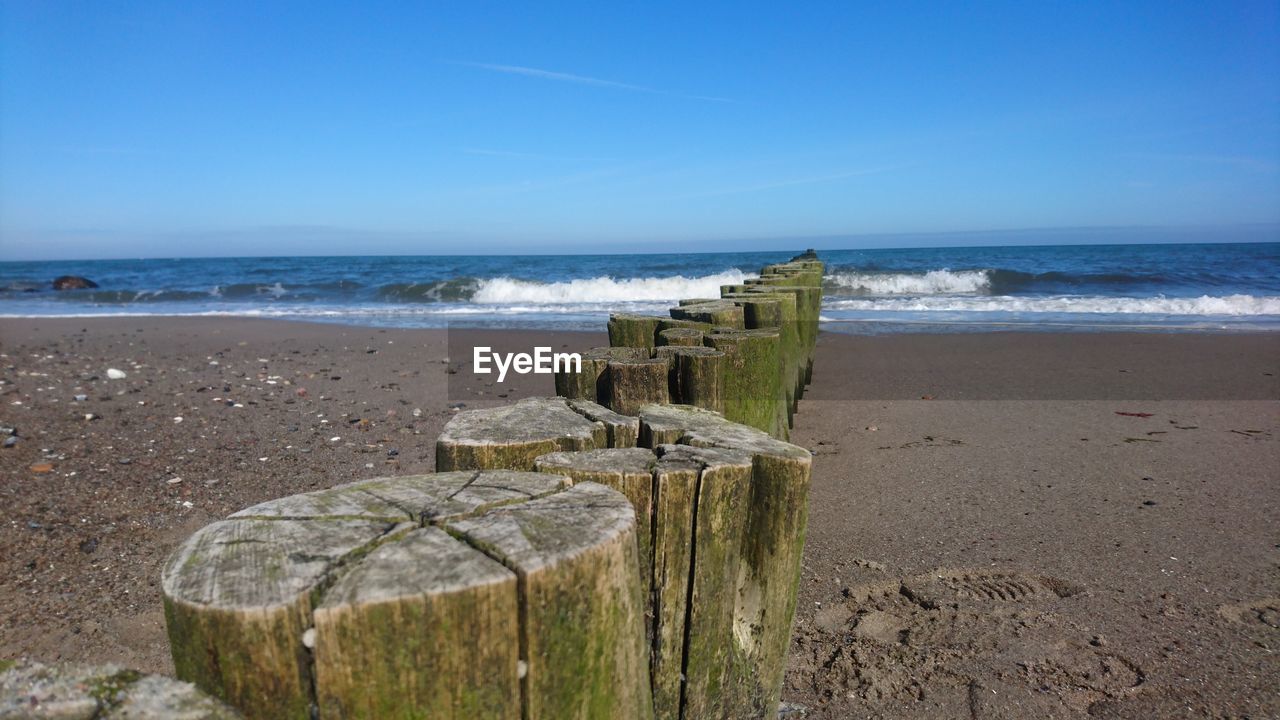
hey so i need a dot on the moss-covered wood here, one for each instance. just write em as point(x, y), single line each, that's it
point(512, 436)
point(633, 383)
point(773, 530)
point(754, 392)
point(697, 376)
point(582, 623)
point(630, 472)
point(491, 594)
point(590, 383)
point(627, 330)
point(675, 495)
point(778, 310)
point(717, 672)
point(713, 312)
point(421, 627)
point(238, 598)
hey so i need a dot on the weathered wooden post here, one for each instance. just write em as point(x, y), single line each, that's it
point(716, 313)
point(697, 375)
point(512, 436)
point(744, 678)
point(591, 383)
point(633, 383)
point(754, 392)
point(629, 330)
point(458, 595)
point(726, 506)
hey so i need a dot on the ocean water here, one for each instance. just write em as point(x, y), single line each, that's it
point(1182, 287)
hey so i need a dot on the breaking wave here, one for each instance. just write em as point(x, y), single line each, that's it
point(1229, 305)
point(933, 282)
point(603, 289)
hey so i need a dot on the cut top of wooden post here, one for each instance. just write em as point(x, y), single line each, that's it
point(687, 425)
point(512, 436)
point(396, 596)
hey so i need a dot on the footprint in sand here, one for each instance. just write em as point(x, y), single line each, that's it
point(1262, 612)
point(952, 628)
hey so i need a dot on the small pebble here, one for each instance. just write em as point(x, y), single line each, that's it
point(114, 374)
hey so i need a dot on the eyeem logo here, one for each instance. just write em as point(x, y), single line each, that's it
point(541, 362)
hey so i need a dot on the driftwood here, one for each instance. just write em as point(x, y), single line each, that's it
point(457, 595)
point(76, 692)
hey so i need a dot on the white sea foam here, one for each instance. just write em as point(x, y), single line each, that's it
point(934, 282)
point(603, 289)
point(1227, 305)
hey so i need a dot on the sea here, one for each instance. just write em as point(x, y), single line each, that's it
point(1185, 287)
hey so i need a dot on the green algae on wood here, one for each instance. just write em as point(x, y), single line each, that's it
point(753, 393)
point(697, 375)
point(633, 383)
point(769, 557)
point(590, 382)
point(582, 613)
point(627, 470)
point(628, 330)
point(712, 312)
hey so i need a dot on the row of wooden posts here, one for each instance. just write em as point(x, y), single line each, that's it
point(628, 549)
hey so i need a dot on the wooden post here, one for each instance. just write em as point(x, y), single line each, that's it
point(754, 392)
point(459, 595)
point(630, 472)
point(628, 330)
point(712, 312)
point(744, 680)
point(697, 375)
point(590, 383)
point(633, 383)
point(780, 309)
point(727, 517)
point(512, 436)
point(30, 689)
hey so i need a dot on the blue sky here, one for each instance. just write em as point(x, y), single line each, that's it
point(132, 129)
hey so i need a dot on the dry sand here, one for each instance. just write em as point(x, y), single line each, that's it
point(1012, 547)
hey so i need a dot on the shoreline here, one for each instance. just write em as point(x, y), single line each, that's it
point(1017, 494)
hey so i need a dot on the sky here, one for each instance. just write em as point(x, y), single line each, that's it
point(228, 128)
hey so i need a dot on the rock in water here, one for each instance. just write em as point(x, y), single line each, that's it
point(73, 282)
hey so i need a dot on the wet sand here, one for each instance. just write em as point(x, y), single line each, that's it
point(1014, 546)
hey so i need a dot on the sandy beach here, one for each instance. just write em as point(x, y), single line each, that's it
point(1001, 525)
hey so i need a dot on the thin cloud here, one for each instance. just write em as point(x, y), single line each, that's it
point(583, 80)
